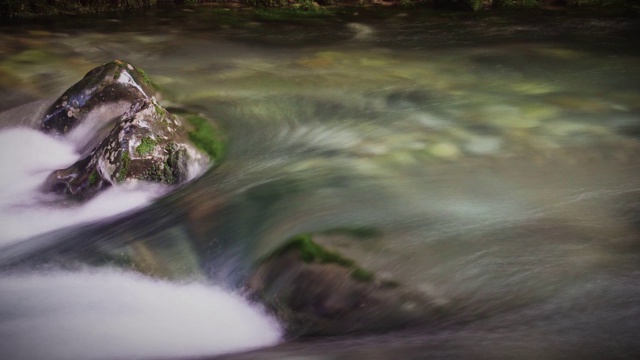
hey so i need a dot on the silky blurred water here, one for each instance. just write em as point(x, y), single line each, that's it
point(496, 155)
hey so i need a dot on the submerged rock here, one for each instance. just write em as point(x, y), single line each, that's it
point(316, 291)
point(145, 143)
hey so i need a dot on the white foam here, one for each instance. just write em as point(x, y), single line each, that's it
point(110, 314)
point(27, 157)
point(97, 122)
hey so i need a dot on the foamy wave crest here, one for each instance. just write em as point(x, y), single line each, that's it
point(27, 157)
point(109, 314)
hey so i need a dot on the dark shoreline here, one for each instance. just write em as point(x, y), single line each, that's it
point(30, 9)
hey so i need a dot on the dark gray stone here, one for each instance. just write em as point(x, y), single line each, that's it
point(116, 81)
point(145, 143)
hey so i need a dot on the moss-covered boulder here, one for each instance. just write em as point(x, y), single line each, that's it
point(317, 291)
point(146, 144)
point(142, 140)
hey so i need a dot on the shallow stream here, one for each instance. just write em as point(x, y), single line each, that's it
point(496, 157)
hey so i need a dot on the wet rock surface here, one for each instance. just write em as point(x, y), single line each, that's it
point(145, 143)
point(114, 82)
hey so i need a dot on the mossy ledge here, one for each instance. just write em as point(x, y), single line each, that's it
point(311, 252)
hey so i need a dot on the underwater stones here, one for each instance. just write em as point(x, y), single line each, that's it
point(510, 117)
point(34, 72)
point(580, 103)
point(539, 111)
point(408, 99)
point(483, 145)
point(574, 128)
point(145, 142)
point(116, 82)
point(360, 31)
point(445, 150)
point(629, 130)
point(318, 291)
point(533, 88)
point(430, 121)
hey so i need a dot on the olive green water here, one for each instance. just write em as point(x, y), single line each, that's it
point(497, 157)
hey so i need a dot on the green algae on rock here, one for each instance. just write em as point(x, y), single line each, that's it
point(310, 252)
point(146, 146)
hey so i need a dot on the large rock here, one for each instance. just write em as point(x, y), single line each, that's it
point(317, 291)
point(145, 143)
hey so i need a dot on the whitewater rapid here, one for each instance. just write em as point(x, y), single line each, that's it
point(102, 313)
point(110, 314)
point(27, 157)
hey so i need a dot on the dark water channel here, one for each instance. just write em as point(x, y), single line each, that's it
point(497, 157)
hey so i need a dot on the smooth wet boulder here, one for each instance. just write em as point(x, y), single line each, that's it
point(317, 291)
point(145, 142)
point(117, 84)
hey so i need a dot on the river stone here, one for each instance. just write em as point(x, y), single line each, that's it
point(116, 82)
point(147, 143)
point(483, 145)
point(138, 140)
point(445, 150)
point(316, 291)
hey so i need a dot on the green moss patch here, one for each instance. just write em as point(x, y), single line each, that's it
point(93, 178)
point(311, 252)
point(160, 111)
point(126, 161)
point(206, 137)
point(147, 81)
point(143, 74)
point(119, 68)
point(146, 146)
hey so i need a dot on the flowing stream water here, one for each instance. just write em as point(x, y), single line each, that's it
point(496, 156)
